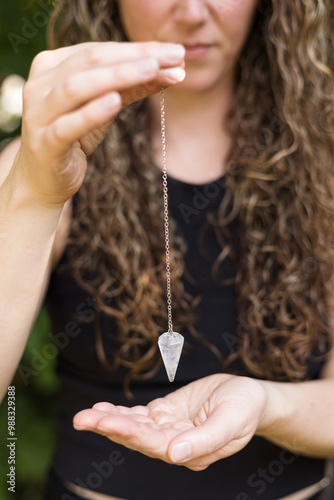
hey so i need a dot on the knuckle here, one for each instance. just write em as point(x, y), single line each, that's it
point(28, 90)
point(151, 48)
point(118, 75)
point(71, 87)
point(33, 147)
point(116, 72)
point(39, 60)
point(55, 94)
point(88, 115)
point(31, 143)
point(58, 132)
point(93, 56)
point(28, 118)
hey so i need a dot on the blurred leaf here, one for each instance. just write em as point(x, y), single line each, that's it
point(17, 50)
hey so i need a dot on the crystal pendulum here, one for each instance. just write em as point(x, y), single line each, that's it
point(170, 343)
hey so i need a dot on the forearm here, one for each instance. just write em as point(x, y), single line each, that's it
point(27, 232)
point(300, 416)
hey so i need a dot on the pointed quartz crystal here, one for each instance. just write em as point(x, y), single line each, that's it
point(170, 345)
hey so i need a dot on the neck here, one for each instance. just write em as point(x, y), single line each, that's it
point(197, 139)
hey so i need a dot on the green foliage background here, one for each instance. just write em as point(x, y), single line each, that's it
point(36, 398)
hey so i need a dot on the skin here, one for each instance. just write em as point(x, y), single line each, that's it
point(177, 427)
point(82, 89)
point(198, 106)
point(223, 23)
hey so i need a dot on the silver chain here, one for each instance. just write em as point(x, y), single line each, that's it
point(166, 217)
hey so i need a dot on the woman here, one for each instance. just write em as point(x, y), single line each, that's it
point(250, 156)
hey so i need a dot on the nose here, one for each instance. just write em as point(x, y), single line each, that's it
point(191, 12)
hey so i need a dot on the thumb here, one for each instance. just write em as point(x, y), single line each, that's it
point(207, 438)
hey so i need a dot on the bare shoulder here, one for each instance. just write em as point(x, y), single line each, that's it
point(7, 157)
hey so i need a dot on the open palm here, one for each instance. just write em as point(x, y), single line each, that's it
point(196, 425)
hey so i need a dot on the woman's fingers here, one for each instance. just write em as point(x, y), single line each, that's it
point(136, 432)
point(87, 419)
point(89, 71)
point(106, 54)
point(178, 442)
point(81, 88)
point(82, 78)
point(71, 98)
point(165, 78)
point(125, 410)
point(202, 440)
point(71, 127)
point(93, 54)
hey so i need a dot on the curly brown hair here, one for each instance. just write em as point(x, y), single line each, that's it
point(279, 185)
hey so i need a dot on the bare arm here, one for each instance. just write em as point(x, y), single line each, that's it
point(27, 234)
point(300, 416)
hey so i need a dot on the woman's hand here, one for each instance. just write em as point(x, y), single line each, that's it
point(70, 100)
point(195, 426)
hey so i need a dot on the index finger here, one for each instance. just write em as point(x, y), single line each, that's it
point(100, 54)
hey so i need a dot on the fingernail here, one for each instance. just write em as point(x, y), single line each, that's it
point(174, 52)
point(110, 101)
point(181, 452)
point(147, 66)
point(77, 428)
point(175, 74)
point(102, 429)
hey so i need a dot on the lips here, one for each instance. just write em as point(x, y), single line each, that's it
point(197, 51)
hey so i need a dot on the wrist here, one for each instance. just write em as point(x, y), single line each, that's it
point(20, 195)
point(278, 410)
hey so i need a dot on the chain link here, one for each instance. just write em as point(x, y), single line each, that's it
point(166, 217)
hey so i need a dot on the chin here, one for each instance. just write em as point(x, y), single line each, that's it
point(196, 81)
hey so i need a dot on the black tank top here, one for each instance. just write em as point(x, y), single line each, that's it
point(261, 470)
